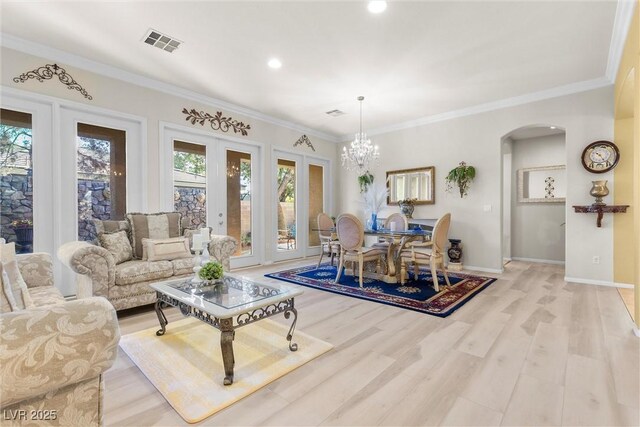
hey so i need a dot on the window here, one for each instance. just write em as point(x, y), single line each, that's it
point(286, 195)
point(102, 180)
point(239, 200)
point(190, 182)
point(16, 165)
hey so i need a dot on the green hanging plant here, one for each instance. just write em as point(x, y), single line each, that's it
point(365, 180)
point(461, 176)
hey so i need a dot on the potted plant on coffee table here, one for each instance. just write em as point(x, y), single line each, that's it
point(211, 272)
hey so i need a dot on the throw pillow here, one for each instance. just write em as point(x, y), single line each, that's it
point(165, 249)
point(110, 226)
point(118, 244)
point(17, 284)
point(7, 302)
point(152, 226)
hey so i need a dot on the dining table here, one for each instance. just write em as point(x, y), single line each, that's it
point(397, 241)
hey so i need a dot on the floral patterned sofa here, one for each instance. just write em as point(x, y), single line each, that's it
point(126, 284)
point(52, 356)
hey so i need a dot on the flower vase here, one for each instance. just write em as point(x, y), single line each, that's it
point(374, 222)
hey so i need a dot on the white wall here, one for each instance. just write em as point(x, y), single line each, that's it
point(536, 228)
point(476, 139)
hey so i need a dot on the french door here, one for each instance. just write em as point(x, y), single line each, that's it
point(215, 183)
point(301, 191)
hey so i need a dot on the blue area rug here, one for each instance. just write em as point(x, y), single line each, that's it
point(413, 295)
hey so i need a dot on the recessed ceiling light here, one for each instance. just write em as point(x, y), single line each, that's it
point(552, 127)
point(274, 63)
point(377, 6)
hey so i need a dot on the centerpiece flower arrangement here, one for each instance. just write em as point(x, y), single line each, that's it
point(407, 206)
point(373, 198)
point(211, 271)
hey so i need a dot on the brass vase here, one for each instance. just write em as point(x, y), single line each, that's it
point(599, 190)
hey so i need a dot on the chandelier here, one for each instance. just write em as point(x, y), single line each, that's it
point(361, 153)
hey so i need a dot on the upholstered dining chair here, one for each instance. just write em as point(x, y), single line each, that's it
point(430, 253)
point(351, 237)
point(328, 243)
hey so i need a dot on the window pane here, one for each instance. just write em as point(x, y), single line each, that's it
point(239, 200)
point(16, 197)
point(102, 177)
point(316, 201)
point(286, 194)
point(190, 182)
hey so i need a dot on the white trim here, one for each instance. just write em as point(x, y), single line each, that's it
point(483, 269)
point(37, 49)
point(598, 282)
point(540, 261)
point(568, 89)
point(636, 331)
point(621, 25)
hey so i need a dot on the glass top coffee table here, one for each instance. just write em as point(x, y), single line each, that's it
point(234, 302)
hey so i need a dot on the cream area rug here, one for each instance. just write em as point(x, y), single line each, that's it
point(185, 364)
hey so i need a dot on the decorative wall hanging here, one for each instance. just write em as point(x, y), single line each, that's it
point(461, 177)
point(216, 122)
point(304, 139)
point(47, 72)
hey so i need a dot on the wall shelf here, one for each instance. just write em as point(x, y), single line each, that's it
point(601, 210)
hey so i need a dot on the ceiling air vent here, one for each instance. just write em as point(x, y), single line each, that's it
point(335, 113)
point(161, 41)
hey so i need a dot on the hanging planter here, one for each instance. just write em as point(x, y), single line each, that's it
point(461, 177)
point(365, 180)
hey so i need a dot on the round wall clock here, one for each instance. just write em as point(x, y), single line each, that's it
point(600, 156)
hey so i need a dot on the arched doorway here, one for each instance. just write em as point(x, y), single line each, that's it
point(533, 194)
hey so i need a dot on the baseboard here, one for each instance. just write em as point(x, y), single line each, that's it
point(597, 282)
point(540, 261)
point(483, 269)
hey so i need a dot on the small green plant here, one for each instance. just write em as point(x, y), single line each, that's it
point(365, 180)
point(461, 176)
point(211, 271)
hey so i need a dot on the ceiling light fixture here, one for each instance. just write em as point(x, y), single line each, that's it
point(552, 127)
point(274, 63)
point(361, 154)
point(377, 6)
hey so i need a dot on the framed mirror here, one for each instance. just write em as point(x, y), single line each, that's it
point(412, 184)
point(546, 184)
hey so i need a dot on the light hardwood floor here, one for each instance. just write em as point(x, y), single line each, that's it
point(530, 349)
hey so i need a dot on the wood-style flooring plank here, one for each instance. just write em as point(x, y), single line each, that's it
point(534, 403)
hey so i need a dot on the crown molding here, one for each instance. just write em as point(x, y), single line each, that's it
point(569, 89)
point(37, 49)
point(621, 24)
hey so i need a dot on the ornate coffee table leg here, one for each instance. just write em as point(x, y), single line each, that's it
point(287, 313)
point(161, 318)
point(226, 345)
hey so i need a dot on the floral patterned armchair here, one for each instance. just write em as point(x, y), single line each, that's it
point(52, 356)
